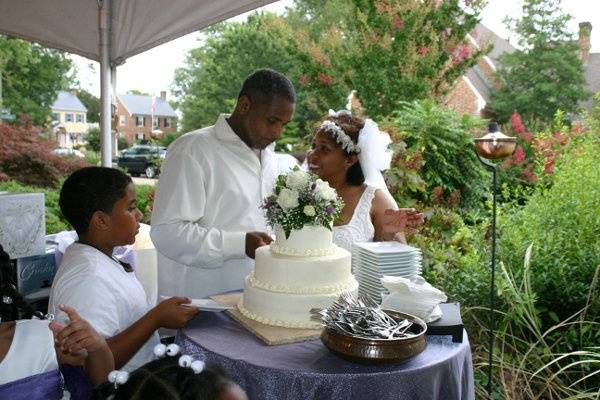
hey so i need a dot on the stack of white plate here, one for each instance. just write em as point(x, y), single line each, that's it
point(372, 260)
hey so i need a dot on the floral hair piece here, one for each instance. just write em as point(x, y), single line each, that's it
point(117, 377)
point(339, 135)
point(185, 361)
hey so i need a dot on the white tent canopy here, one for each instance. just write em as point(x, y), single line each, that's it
point(110, 31)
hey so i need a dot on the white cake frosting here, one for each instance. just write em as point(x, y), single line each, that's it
point(310, 241)
point(283, 288)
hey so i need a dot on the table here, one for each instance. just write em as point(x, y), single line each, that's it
point(308, 370)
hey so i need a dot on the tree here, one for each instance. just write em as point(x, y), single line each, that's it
point(32, 75)
point(138, 92)
point(387, 51)
point(92, 103)
point(210, 81)
point(93, 139)
point(546, 74)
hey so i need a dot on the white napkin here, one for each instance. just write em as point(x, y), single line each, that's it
point(413, 296)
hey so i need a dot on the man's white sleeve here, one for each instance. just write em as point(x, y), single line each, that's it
point(177, 229)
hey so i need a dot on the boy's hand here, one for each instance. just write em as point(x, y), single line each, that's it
point(77, 335)
point(172, 314)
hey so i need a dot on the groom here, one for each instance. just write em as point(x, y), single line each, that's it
point(206, 221)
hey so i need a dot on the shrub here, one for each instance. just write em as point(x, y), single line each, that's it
point(145, 201)
point(454, 257)
point(167, 139)
point(536, 154)
point(439, 147)
point(55, 222)
point(563, 222)
point(531, 361)
point(28, 159)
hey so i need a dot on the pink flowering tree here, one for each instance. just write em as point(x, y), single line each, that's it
point(386, 50)
point(536, 154)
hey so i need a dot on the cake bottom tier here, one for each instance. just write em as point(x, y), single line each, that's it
point(290, 310)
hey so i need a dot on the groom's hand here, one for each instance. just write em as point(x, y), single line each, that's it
point(254, 240)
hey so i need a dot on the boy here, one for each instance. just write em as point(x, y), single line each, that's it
point(99, 203)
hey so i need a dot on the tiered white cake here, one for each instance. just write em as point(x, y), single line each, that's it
point(296, 274)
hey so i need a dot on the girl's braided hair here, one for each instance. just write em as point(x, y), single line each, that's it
point(12, 304)
point(164, 379)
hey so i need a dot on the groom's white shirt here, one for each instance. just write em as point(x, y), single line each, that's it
point(208, 197)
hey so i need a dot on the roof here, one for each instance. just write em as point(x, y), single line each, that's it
point(142, 105)
point(484, 36)
point(477, 78)
point(67, 101)
point(592, 77)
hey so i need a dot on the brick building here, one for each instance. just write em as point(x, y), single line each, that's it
point(141, 117)
point(472, 92)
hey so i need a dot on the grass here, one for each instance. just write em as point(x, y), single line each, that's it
point(530, 361)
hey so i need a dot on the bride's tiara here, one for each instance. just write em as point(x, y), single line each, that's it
point(339, 135)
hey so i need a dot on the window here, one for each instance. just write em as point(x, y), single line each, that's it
point(55, 116)
point(167, 122)
point(69, 117)
point(140, 135)
point(79, 117)
point(139, 121)
point(121, 120)
point(154, 122)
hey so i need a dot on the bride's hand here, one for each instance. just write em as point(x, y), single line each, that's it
point(402, 220)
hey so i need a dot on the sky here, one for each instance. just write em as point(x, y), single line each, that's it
point(154, 70)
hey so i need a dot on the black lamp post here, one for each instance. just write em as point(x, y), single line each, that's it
point(493, 146)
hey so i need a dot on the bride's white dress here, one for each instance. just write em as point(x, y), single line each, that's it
point(360, 228)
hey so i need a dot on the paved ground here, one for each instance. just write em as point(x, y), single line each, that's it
point(144, 181)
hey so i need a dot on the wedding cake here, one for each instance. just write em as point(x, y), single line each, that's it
point(302, 268)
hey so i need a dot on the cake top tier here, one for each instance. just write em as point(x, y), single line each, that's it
point(301, 199)
point(310, 241)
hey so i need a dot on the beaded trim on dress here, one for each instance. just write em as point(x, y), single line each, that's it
point(360, 228)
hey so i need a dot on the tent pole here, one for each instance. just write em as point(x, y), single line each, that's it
point(104, 28)
point(114, 135)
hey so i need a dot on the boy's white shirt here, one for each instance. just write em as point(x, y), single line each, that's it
point(209, 195)
point(109, 298)
point(31, 351)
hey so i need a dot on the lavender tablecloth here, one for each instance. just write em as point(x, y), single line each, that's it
point(308, 370)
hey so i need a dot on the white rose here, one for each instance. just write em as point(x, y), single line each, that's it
point(287, 199)
point(324, 192)
point(297, 180)
point(309, 211)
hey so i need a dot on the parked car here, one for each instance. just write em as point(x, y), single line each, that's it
point(142, 159)
point(66, 152)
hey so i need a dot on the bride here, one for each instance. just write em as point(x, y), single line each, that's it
point(349, 153)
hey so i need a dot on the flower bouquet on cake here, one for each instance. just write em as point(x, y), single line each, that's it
point(301, 199)
point(302, 269)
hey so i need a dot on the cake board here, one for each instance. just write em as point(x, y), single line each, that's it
point(270, 335)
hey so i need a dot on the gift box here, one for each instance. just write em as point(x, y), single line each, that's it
point(22, 224)
point(34, 275)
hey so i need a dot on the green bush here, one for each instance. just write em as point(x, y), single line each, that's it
point(454, 257)
point(439, 146)
point(145, 200)
point(563, 223)
point(531, 360)
point(55, 222)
